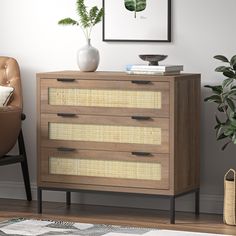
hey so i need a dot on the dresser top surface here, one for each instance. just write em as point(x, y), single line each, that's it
point(113, 75)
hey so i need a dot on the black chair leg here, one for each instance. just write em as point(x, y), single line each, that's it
point(24, 166)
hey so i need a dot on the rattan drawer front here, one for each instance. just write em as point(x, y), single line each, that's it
point(99, 132)
point(104, 98)
point(126, 96)
point(105, 168)
point(104, 133)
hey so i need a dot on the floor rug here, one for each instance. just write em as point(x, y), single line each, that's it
point(23, 227)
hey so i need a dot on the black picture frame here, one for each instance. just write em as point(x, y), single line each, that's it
point(167, 26)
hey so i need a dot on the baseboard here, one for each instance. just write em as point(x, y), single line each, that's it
point(208, 203)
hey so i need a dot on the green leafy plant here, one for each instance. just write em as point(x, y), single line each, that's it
point(135, 5)
point(87, 19)
point(224, 96)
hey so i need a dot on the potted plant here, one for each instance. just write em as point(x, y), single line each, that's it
point(224, 96)
point(88, 56)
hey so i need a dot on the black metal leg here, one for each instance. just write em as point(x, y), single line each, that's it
point(24, 166)
point(197, 202)
point(39, 201)
point(68, 198)
point(172, 209)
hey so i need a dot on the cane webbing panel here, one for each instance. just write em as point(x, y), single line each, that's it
point(105, 133)
point(105, 168)
point(104, 98)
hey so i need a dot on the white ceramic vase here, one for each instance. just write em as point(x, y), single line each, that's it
point(88, 58)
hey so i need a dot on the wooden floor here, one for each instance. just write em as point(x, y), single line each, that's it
point(114, 215)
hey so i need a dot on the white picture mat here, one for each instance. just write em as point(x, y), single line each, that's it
point(149, 24)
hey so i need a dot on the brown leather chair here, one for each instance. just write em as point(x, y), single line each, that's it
point(10, 120)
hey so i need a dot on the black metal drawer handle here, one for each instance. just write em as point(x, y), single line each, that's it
point(140, 82)
point(66, 80)
point(143, 154)
point(141, 118)
point(66, 114)
point(66, 149)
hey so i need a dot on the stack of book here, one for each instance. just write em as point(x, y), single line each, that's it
point(154, 70)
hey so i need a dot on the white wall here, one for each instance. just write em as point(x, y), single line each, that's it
point(201, 29)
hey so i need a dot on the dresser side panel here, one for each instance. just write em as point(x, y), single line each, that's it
point(38, 123)
point(186, 135)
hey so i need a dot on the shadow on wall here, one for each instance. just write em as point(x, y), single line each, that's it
point(214, 161)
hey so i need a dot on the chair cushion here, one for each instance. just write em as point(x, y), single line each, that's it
point(10, 125)
point(5, 95)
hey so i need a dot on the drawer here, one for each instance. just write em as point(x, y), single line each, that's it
point(72, 166)
point(96, 97)
point(136, 133)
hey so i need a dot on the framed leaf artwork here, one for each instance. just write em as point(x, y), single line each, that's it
point(137, 20)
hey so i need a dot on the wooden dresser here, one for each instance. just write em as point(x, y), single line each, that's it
point(110, 131)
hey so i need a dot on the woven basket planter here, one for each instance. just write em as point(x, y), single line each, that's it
point(230, 197)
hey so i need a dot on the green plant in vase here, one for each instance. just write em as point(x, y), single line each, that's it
point(224, 96)
point(88, 56)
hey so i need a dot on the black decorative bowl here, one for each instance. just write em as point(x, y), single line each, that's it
point(153, 59)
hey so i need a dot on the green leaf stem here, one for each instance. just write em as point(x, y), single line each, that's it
point(68, 21)
point(221, 58)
